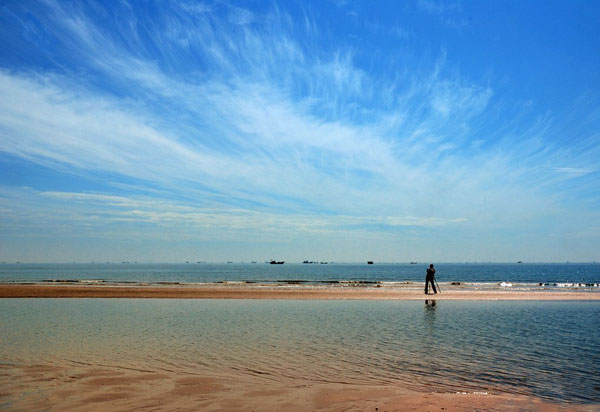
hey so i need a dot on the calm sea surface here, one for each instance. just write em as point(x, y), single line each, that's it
point(261, 272)
point(547, 349)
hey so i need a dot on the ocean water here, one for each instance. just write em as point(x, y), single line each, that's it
point(552, 274)
point(546, 349)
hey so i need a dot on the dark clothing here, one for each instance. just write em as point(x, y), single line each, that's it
point(429, 278)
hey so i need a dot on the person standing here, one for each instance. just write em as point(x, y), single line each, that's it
point(430, 278)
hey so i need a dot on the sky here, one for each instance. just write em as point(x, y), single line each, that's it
point(396, 131)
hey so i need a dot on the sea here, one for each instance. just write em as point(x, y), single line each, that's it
point(546, 349)
point(578, 275)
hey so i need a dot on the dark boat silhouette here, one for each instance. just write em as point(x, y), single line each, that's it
point(277, 262)
point(370, 262)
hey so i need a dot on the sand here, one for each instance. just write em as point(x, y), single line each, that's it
point(255, 291)
point(82, 388)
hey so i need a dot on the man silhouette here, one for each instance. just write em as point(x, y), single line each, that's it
point(429, 278)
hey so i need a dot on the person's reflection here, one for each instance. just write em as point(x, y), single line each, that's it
point(430, 340)
point(429, 313)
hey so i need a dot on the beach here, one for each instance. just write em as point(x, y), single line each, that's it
point(80, 388)
point(257, 291)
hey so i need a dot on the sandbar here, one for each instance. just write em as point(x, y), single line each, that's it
point(256, 291)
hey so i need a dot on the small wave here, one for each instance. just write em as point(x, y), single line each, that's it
point(359, 282)
point(90, 281)
point(400, 284)
point(570, 285)
point(61, 280)
point(292, 281)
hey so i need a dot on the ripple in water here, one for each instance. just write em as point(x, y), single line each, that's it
point(546, 349)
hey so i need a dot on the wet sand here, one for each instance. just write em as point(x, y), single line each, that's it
point(84, 388)
point(255, 291)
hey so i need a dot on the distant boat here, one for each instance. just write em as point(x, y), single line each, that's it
point(323, 263)
point(308, 261)
point(413, 263)
point(519, 261)
point(277, 262)
point(370, 262)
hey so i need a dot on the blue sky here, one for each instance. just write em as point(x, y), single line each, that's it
point(327, 130)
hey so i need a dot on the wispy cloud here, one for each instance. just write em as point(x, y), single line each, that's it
point(91, 214)
point(450, 13)
point(574, 170)
point(234, 122)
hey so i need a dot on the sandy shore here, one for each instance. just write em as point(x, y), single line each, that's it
point(254, 291)
point(77, 387)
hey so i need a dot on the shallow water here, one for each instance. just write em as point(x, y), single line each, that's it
point(546, 349)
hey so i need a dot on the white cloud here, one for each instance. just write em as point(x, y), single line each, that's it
point(449, 98)
point(240, 16)
point(574, 170)
point(450, 13)
point(86, 213)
